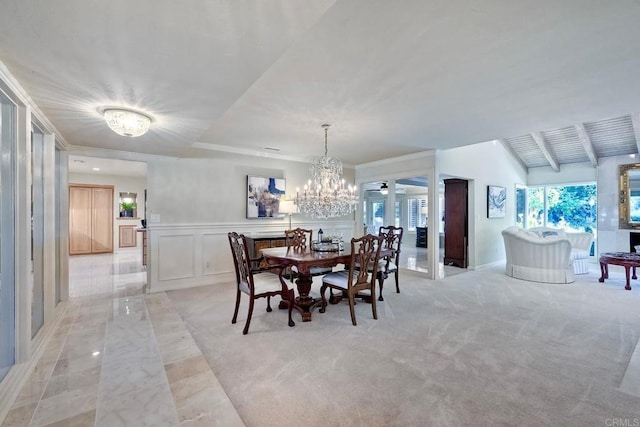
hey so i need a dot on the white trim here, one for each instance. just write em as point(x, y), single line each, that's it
point(249, 152)
point(114, 154)
point(23, 234)
point(18, 91)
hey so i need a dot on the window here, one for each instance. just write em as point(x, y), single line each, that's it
point(571, 207)
point(378, 215)
point(535, 207)
point(417, 213)
point(521, 206)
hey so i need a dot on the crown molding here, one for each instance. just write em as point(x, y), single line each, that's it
point(420, 154)
point(80, 150)
point(247, 152)
point(20, 96)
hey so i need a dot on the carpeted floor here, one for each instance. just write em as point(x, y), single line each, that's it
point(476, 349)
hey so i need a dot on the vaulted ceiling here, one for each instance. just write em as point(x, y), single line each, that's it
point(393, 78)
point(583, 142)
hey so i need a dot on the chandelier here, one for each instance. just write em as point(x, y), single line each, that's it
point(326, 195)
point(127, 122)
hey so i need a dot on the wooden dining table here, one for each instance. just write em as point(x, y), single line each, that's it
point(304, 259)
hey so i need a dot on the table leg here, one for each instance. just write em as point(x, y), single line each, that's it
point(604, 272)
point(634, 277)
point(626, 270)
point(304, 302)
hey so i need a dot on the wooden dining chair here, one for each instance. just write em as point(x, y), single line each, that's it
point(364, 251)
point(257, 282)
point(392, 239)
point(300, 239)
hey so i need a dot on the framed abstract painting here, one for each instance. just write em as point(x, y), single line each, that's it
point(263, 197)
point(496, 201)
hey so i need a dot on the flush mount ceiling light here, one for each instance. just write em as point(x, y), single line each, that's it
point(384, 189)
point(127, 122)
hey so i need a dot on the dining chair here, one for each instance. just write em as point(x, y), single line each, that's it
point(257, 282)
point(392, 239)
point(364, 251)
point(300, 239)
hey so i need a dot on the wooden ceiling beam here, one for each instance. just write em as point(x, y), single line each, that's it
point(544, 147)
point(585, 140)
point(515, 156)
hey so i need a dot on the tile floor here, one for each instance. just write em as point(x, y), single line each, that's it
point(120, 357)
point(414, 258)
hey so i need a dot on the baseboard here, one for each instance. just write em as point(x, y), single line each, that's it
point(502, 262)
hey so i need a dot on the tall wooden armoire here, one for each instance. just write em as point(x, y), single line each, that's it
point(455, 222)
point(90, 219)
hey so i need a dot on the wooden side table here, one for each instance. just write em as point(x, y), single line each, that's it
point(628, 260)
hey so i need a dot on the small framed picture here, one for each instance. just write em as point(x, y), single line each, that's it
point(496, 201)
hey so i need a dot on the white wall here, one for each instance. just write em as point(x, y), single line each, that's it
point(572, 173)
point(124, 184)
point(193, 203)
point(484, 164)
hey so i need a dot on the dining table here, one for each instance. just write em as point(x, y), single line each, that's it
point(304, 259)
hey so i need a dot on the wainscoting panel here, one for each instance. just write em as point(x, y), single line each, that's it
point(177, 253)
point(188, 255)
point(216, 254)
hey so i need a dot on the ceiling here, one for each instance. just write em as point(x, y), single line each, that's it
point(393, 78)
point(104, 166)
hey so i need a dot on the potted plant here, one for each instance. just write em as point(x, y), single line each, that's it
point(127, 208)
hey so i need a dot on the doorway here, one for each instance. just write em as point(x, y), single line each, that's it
point(410, 203)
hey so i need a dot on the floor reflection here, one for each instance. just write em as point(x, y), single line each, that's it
point(416, 259)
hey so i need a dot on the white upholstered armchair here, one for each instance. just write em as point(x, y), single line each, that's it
point(535, 258)
point(544, 254)
point(580, 246)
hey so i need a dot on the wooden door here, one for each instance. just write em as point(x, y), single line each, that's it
point(127, 236)
point(90, 219)
point(80, 220)
point(455, 222)
point(102, 221)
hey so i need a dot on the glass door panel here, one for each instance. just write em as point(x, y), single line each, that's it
point(377, 210)
point(58, 216)
point(7, 239)
point(37, 233)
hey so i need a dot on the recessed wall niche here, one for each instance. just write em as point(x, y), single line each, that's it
point(128, 205)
